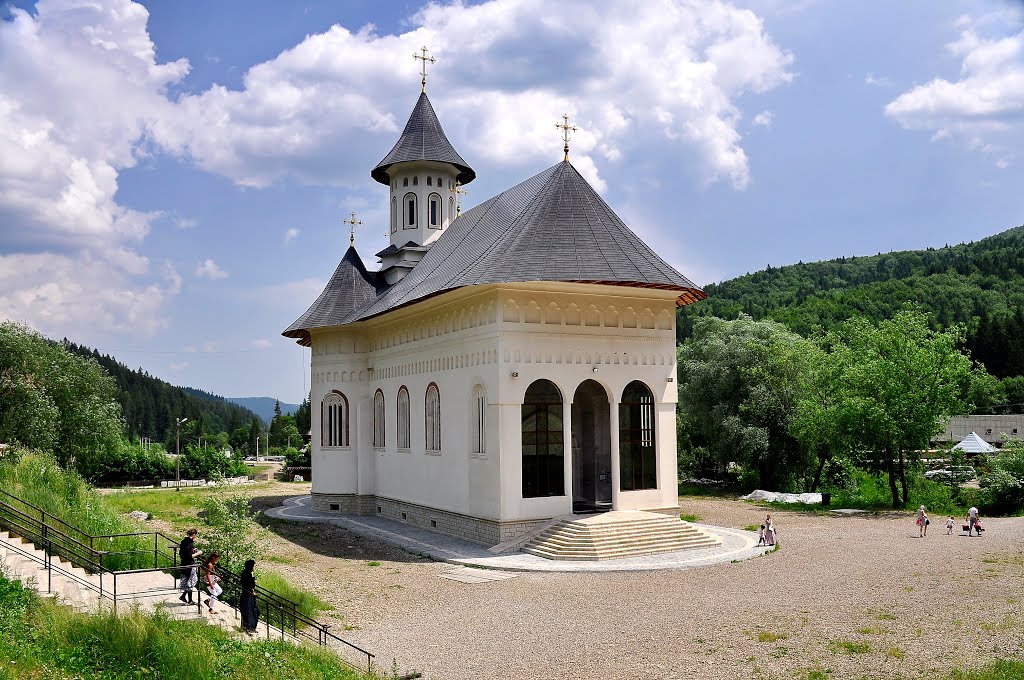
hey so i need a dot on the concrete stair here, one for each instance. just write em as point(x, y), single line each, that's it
point(149, 591)
point(617, 534)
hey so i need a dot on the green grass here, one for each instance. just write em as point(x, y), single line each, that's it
point(752, 527)
point(37, 479)
point(40, 639)
point(896, 653)
point(309, 604)
point(848, 647)
point(686, 517)
point(769, 636)
point(873, 630)
point(373, 563)
point(1001, 669)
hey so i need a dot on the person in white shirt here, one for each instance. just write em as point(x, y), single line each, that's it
point(972, 520)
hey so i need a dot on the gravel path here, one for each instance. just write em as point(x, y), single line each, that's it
point(857, 596)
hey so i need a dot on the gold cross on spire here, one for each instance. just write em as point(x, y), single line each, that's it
point(565, 128)
point(459, 193)
point(423, 66)
point(352, 222)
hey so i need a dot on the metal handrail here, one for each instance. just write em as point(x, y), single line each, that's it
point(37, 531)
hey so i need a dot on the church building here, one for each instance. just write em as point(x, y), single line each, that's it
point(504, 366)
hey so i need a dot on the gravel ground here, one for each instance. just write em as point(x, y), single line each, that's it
point(857, 596)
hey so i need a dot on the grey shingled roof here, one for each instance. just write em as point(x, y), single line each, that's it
point(552, 227)
point(423, 140)
point(350, 289)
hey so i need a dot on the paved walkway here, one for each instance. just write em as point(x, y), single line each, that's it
point(736, 545)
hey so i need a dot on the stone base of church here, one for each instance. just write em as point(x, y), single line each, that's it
point(485, 531)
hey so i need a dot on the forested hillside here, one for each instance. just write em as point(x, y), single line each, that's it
point(978, 284)
point(151, 405)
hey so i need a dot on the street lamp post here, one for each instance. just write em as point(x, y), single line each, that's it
point(177, 452)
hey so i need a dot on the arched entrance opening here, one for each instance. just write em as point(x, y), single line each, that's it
point(591, 449)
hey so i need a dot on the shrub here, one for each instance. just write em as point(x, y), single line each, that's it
point(1004, 482)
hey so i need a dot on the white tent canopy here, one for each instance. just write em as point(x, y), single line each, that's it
point(972, 443)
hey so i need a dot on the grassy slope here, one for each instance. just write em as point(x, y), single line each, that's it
point(39, 639)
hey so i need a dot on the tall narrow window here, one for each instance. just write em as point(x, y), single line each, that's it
point(479, 420)
point(394, 215)
point(415, 181)
point(403, 418)
point(451, 208)
point(379, 429)
point(405, 181)
point(434, 203)
point(432, 418)
point(637, 444)
point(543, 441)
point(430, 181)
point(439, 182)
point(334, 420)
point(410, 211)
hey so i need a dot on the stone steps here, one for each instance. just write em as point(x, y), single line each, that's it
point(616, 535)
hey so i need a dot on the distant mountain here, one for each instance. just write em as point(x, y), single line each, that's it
point(150, 405)
point(263, 406)
point(979, 284)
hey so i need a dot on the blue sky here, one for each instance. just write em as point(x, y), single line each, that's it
point(173, 176)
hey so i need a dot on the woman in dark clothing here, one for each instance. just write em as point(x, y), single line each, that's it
point(247, 603)
point(187, 573)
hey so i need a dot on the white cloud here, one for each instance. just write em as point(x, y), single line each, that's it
point(877, 81)
point(208, 269)
point(184, 223)
point(262, 343)
point(209, 346)
point(347, 93)
point(291, 234)
point(59, 294)
point(764, 119)
point(178, 366)
point(79, 89)
point(988, 99)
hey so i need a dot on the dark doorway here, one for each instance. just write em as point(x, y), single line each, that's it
point(591, 449)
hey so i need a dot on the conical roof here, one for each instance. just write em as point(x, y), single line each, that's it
point(973, 443)
point(423, 140)
point(552, 227)
point(350, 288)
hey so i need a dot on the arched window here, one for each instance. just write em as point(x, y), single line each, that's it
point(439, 182)
point(394, 214)
point(410, 211)
point(432, 418)
point(334, 420)
point(434, 211)
point(405, 181)
point(451, 208)
point(403, 418)
point(430, 181)
point(637, 444)
point(479, 420)
point(379, 430)
point(415, 181)
point(543, 441)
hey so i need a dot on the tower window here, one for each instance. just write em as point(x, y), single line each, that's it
point(410, 211)
point(394, 215)
point(439, 182)
point(415, 181)
point(429, 180)
point(405, 181)
point(451, 208)
point(435, 211)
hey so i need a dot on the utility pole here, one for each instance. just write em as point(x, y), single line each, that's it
point(177, 452)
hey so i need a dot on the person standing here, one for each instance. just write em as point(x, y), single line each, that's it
point(922, 522)
point(247, 602)
point(188, 552)
point(972, 520)
point(213, 588)
point(949, 525)
point(769, 530)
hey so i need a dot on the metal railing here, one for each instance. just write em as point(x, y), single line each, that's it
point(57, 538)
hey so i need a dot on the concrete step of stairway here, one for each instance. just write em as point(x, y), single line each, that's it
point(616, 535)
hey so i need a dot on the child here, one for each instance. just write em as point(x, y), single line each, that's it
point(949, 525)
point(761, 537)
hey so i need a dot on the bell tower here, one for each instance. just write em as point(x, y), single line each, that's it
point(423, 172)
